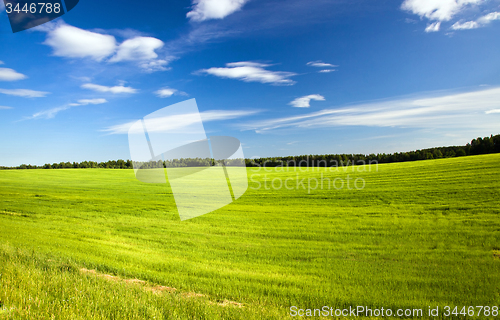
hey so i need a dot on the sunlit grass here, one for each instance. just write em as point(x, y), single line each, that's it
point(419, 234)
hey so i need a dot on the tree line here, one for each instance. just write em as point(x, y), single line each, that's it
point(477, 146)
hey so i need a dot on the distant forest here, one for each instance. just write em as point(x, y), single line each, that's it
point(475, 147)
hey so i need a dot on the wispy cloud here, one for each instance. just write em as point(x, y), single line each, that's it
point(115, 90)
point(51, 113)
point(25, 93)
point(465, 25)
point(251, 72)
point(321, 64)
point(168, 92)
point(493, 111)
point(84, 102)
point(489, 17)
point(7, 74)
point(433, 27)
point(155, 65)
point(304, 102)
point(440, 10)
point(219, 115)
point(458, 111)
point(176, 122)
point(5, 108)
point(481, 22)
point(214, 9)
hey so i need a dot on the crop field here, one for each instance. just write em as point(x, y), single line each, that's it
point(98, 244)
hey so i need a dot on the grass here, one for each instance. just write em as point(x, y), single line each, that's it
point(419, 234)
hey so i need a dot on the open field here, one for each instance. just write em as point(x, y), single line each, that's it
point(98, 244)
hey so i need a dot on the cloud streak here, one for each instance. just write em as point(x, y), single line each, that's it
point(114, 90)
point(458, 111)
point(7, 74)
point(251, 72)
point(84, 102)
point(25, 93)
point(51, 113)
point(479, 23)
point(465, 25)
point(177, 122)
point(321, 64)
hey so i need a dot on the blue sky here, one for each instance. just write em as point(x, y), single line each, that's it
point(285, 77)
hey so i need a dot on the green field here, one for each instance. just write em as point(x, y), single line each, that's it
point(419, 234)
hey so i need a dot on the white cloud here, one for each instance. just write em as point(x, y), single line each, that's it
point(72, 42)
point(214, 9)
point(445, 10)
point(1, 62)
point(433, 27)
point(304, 102)
point(25, 93)
point(169, 123)
point(251, 72)
point(165, 92)
point(7, 74)
point(83, 79)
point(5, 108)
point(51, 113)
point(440, 10)
point(114, 90)
point(155, 65)
point(327, 70)
point(321, 64)
point(84, 102)
point(457, 111)
point(489, 17)
point(91, 101)
point(481, 22)
point(493, 111)
point(465, 25)
point(219, 115)
point(139, 48)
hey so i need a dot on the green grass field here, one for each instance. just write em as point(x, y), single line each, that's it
point(419, 234)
